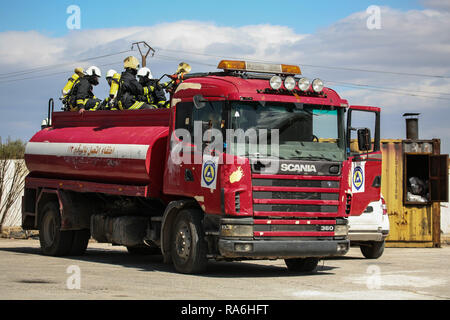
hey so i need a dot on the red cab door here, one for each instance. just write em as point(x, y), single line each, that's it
point(363, 126)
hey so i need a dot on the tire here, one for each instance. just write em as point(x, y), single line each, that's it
point(373, 250)
point(144, 251)
point(80, 242)
point(188, 247)
point(302, 264)
point(54, 242)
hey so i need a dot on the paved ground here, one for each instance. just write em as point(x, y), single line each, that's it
point(108, 272)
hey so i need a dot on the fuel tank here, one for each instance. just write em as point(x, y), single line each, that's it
point(123, 147)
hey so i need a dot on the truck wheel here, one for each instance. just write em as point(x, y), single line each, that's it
point(144, 251)
point(54, 242)
point(301, 264)
point(80, 242)
point(373, 250)
point(188, 247)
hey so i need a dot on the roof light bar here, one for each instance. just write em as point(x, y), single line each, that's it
point(258, 67)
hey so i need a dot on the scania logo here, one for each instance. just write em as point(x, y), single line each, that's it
point(298, 167)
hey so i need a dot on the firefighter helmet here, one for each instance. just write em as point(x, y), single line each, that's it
point(183, 67)
point(145, 72)
point(131, 62)
point(110, 73)
point(93, 71)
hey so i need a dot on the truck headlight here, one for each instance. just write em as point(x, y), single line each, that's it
point(275, 82)
point(289, 83)
point(317, 85)
point(341, 230)
point(236, 230)
point(303, 84)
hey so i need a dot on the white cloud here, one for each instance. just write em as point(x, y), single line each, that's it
point(437, 4)
point(21, 50)
point(414, 41)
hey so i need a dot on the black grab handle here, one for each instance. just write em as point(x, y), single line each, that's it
point(51, 107)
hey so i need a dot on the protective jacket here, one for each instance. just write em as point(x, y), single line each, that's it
point(130, 91)
point(154, 94)
point(84, 97)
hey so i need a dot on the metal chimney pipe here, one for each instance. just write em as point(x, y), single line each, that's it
point(412, 126)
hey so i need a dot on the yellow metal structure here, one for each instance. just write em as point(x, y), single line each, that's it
point(411, 225)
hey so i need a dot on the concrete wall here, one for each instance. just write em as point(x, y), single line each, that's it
point(14, 213)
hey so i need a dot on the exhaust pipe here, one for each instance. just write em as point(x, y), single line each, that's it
point(412, 125)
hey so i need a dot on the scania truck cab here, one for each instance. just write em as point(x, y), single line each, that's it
point(251, 162)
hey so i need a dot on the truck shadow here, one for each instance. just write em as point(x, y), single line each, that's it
point(215, 269)
point(345, 258)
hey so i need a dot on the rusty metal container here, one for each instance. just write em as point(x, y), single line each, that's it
point(412, 223)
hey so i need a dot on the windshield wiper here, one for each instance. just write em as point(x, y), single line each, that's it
point(311, 158)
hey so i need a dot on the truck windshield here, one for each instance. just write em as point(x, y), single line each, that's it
point(305, 132)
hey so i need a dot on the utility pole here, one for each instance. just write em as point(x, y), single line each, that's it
point(143, 56)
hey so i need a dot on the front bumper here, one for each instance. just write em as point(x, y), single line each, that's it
point(268, 249)
point(361, 235)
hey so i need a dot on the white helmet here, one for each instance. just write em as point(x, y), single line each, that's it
point(110, 73)
point(145, 72)
point(93, 71)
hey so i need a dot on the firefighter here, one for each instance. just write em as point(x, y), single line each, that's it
point(109, 75)
point(84, 97)
point(153, 92)
point(130, 91)
point(176, 79)
point(107, 103)
point(71, 83)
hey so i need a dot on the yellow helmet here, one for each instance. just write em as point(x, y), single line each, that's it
point(79, 71)
point(183, 67)
point(131, 62)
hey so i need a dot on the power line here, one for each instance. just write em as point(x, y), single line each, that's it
point(316, 66)
point(160, 57)
point(346, 84)
point(42, 68)
point(53, 74)
point(379, 71)
point(172, 58)
point(387, 91)
point(388, 88)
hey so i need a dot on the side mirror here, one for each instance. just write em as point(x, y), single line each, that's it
point(199, 101)
point(364, 140)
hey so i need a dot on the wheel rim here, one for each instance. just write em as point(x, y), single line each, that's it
point(183, 242)
point(49, 229)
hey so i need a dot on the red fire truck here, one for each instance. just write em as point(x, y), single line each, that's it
point(116, 176)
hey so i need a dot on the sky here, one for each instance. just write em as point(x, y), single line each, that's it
point(399, 62)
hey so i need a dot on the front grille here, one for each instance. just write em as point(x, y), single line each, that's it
point(295, 209)
point(296, 196)
point(295, 183)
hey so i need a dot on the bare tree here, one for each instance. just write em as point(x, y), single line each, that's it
point(12, 176)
